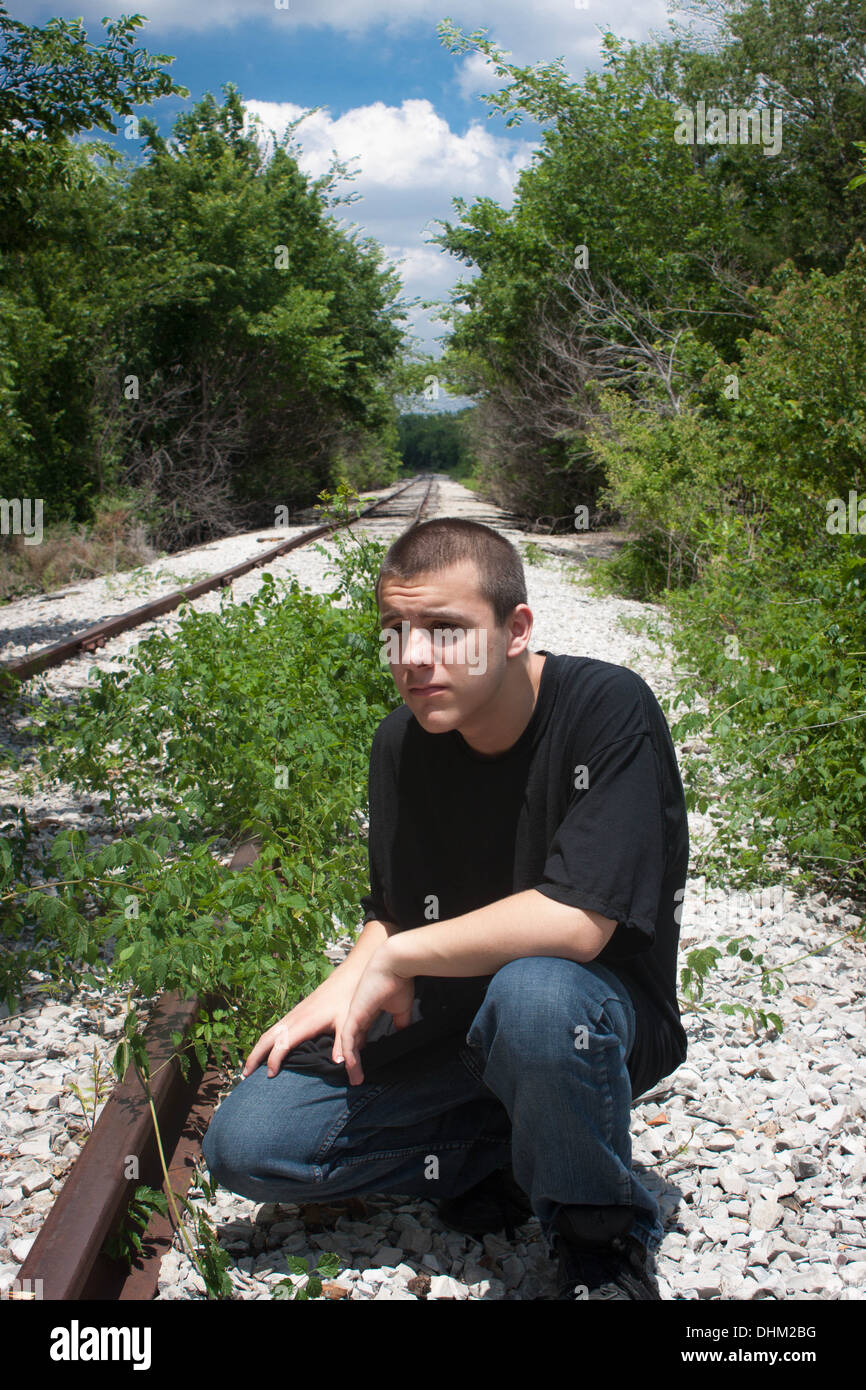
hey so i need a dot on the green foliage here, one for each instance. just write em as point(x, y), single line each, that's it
point(253, 721)
point(326, 1264)
point(675, 235)
point(196, 326)
point(666, 479)
point(53, 82)
point(779, 646)
point(97, 1092)
point(433, 443)
point(533, 553)
point(125, 1243)
point(701, 962)
point(805, 59)
point(539, 326)
point(802, 378)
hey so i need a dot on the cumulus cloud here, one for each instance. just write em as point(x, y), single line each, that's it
point(407, 148)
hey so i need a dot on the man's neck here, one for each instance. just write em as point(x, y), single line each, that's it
point(493, 738)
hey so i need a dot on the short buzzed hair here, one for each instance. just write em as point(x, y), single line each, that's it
point(446, 541)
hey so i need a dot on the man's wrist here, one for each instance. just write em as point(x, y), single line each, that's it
point(392, 955)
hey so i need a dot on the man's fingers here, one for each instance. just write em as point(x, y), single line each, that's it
point(351, 1043)
point(274, 1046)
point(281, 1048)
point(354, 1070)
point(258, 1054)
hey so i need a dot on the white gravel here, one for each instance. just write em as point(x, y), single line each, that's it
point(755, 1147)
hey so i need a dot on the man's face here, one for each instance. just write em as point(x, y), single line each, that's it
point(445, 652)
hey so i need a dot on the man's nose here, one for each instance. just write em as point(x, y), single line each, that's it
point(419, 648)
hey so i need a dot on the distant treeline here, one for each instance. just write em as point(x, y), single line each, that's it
point(435, 443)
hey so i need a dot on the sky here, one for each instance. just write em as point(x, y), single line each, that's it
point(391, 98)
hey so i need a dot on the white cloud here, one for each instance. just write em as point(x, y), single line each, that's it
point(477, 74)
point(403, 148)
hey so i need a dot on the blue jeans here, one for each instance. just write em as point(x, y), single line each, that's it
point(540, 1081)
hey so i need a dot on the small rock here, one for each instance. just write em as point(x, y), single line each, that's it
point(732, 1182)
point(21, 1247)
point(36, 1182)
point(442, 1286)
point(721, 1142)
point(766, 1214)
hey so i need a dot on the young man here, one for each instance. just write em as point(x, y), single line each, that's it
point(514, 986)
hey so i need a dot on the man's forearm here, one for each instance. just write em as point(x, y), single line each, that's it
point(481, 942)
point(373, 935)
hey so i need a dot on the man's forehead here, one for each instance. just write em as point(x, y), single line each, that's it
point(459, 582)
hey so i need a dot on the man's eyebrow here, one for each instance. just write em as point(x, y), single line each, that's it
point(428, 615)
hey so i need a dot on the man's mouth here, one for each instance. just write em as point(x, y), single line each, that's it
point(427, 689)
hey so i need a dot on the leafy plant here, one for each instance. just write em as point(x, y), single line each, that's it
point(97, 1092)
point(125, 1244)
point(326, 1264)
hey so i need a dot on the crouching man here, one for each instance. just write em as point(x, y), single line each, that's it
point(514, 986)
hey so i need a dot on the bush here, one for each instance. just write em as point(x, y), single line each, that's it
point(666, 479)
point(116, 539)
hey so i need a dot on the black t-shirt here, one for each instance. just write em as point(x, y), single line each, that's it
point(586, 807)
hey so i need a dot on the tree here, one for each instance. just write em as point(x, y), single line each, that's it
point(53, 85)
point(262, 334)
point(615, 241)
point(623, 244)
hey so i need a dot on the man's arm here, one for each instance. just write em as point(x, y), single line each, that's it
point(481, 942)
point(373, 935)
point(477, 943)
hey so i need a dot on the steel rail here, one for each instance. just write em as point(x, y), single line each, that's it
point(98, 634)
point(66, 1261)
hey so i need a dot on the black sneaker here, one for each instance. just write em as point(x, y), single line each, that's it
point(619, 1271)
point(492, 1205)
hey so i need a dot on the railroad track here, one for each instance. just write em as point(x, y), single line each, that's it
point(91, 638)
point(66, 1261)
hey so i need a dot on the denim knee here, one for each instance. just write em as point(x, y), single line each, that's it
point(544, 1005)
point(251, 1134)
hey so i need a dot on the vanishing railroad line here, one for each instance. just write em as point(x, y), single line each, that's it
point(91, 638)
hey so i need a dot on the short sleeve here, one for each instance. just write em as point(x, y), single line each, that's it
point(608, 854)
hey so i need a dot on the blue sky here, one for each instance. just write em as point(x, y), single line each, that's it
point(389, 93)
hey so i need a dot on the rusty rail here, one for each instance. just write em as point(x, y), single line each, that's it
point(66, 1261)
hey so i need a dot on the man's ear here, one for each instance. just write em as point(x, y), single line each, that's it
point(519, 626)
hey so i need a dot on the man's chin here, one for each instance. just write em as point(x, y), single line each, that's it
point(434, 714)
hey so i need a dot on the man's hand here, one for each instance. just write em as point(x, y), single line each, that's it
point(378, 989)
point(321, 1012)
